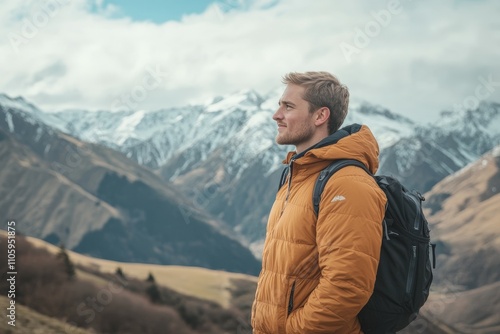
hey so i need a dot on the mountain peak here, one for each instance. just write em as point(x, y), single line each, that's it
point(243, 99)
point(367, 108)
point(18, 103)
point(482, 115)
point(28, 112)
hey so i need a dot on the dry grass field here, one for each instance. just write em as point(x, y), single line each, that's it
point(202, 283)
point(31, 322)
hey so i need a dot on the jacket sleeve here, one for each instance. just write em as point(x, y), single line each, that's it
point(348, 237)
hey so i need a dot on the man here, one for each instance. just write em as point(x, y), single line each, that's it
point(319, 272)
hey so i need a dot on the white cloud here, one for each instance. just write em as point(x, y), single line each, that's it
point(423, 57)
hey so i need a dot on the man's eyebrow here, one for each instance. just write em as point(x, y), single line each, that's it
point(280, 102)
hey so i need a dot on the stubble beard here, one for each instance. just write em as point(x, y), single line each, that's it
point(303, 135)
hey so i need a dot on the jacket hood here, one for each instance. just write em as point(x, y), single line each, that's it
point(351, 142)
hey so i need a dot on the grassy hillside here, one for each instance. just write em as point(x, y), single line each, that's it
point(202, 283)
point(29, 322)
point(96, 201)
point(116, 301)
point(463, 210)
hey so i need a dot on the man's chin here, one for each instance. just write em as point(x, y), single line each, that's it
point(281, 141)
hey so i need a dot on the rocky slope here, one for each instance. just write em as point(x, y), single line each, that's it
point(96, 201)
point(463, 210)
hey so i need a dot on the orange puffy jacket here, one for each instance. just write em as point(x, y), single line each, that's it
point(318, 272)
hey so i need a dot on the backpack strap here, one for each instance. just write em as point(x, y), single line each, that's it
point(325, 175)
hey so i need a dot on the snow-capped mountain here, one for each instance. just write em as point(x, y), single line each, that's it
point(223, 154)
point(242, 120)
point(437, 150)
point(29, 112)
point(88, 196)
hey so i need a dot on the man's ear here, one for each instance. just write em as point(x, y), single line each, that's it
point(322, 116)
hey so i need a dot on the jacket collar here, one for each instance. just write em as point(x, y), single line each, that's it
point(351, 142)
point(330, 140)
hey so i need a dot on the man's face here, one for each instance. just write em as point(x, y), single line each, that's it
point(295, 122)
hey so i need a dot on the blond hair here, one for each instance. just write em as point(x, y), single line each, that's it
point(323, 89)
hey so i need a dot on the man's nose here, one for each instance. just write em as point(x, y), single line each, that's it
point(277, 114)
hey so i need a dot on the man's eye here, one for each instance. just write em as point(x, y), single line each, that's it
point(287, 106)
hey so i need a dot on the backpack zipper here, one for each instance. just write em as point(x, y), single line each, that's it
point(418, 217)
point(411, 271)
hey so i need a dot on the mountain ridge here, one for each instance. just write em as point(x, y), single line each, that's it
point(455, 164)
point(45, 171)
point(462, 210)
point(223, 157)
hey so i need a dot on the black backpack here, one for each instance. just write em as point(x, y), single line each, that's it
point(404, 274)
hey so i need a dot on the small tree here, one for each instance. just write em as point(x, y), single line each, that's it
point(151, 278)
point(119, 272)
point(153, 293)
point(69, 267)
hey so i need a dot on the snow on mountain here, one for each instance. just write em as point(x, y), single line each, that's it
point(241, 125)
point(474, 131)
point(484, 120)
point(30, 113)
point(18, 103)
point(229, 142)
point(240, 122)
point(439, 149)
point(386, 126)
point(8, 119)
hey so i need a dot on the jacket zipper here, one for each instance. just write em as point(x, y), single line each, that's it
point(411, 272)
point(290, 300)
point(288, 187)
point(289, 181)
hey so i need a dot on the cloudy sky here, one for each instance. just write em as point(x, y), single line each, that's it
point(414, 57)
